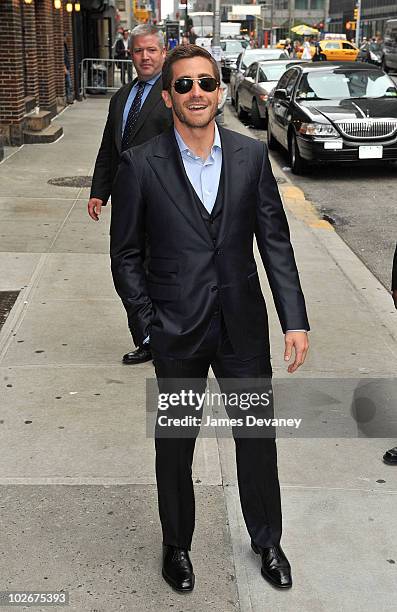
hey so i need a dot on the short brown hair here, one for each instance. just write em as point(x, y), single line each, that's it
point(185, 52)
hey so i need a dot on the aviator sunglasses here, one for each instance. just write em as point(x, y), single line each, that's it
point(185, 84)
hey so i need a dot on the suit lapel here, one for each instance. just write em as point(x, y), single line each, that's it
point(168, 167)
point(233, 161)
point(119, 113)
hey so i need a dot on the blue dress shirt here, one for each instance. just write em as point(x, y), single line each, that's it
point(203, 175)
point(148, 87)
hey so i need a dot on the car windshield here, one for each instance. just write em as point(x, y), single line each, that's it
point(255, 57)
point(345, 84)
point(232, 46)
point(271, 73)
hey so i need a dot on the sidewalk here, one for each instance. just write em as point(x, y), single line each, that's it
point(79, 504)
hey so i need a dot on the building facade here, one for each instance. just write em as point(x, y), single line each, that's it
point(279, 16)
point(374, 14)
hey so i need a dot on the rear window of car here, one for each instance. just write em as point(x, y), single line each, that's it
point(346, 84)
point(232, 46)
point(248, 58)
point(270, 73)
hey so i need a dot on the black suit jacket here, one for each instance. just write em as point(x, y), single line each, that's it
point(120, 51)
point(175, 300)
point(394, 272)
point(153, 119)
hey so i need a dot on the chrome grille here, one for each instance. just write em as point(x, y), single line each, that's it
point(368, 129)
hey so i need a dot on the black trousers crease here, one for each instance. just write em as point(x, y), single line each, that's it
point(256, 456)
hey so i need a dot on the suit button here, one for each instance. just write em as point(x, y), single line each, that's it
point(218, 252)
point(214, 288)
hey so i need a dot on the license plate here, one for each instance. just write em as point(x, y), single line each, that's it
point(333, 144)
point(374, 152)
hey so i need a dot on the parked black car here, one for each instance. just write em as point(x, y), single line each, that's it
point(331, 111)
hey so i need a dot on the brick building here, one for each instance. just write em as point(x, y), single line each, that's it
point(32, 79)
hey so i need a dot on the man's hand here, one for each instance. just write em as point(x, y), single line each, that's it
point(94, 208)
point(394, 294)
point(300, 342)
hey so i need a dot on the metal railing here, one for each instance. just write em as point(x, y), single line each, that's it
point(100, 76)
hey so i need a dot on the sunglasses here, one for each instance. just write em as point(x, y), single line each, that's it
point(185, 84)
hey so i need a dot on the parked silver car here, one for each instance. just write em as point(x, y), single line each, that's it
point(231, 48)
point(245, 59)
point(254, 89)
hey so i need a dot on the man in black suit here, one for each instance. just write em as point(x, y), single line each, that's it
point(136, 113)
point(122, 52)
point(390, 456)
point(200, 193)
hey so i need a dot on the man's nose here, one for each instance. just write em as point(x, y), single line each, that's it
point(196, 89)
point(145, 54)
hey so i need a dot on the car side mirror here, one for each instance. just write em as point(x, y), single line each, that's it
point(280, 94)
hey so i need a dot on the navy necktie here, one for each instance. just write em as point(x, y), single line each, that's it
point(132, 118)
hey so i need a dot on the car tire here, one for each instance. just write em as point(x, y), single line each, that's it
point(297, 163)
point(271, 141)
point(241, 113)
point(256, 119)
point(323, 58)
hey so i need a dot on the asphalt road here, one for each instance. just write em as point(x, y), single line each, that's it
point(361, 202)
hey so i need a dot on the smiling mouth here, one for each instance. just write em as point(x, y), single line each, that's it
point(197, 107)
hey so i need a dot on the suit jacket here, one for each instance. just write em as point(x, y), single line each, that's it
point(120, 51)
point(154, 118)
point(188, 273)
point(394, 272)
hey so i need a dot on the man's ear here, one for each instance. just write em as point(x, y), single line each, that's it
point(166, 98)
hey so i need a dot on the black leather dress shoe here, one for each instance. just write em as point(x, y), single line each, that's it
point(178, 569)
point(140, 355)
point(275, 566)
point(390, 456)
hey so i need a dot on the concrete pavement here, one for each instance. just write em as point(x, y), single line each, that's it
point(79, 506)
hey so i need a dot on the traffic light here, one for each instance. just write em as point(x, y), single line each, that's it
point(356, 13)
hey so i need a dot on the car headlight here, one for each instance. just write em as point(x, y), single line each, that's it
point(318, 129)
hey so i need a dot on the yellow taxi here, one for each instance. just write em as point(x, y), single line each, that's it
point(335, 50)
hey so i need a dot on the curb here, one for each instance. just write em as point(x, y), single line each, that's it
point(292, 196)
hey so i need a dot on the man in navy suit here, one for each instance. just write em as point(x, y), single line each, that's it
point(200, 194)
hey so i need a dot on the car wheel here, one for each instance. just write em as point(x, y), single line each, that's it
point(323, 58)
point(241, 113)
point(298, 164)
point(256, 119)
point(271, 141)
